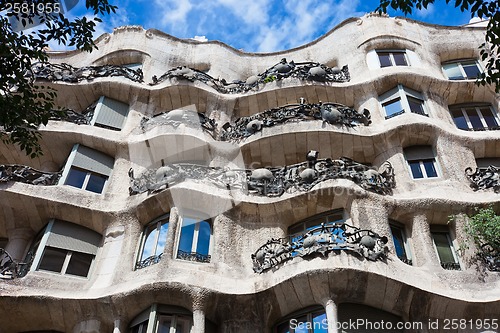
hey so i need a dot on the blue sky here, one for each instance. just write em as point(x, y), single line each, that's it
point(255, 25)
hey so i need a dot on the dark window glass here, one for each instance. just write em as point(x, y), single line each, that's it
point(203, 238)
point(79, 264)
point(416, 171)
point(489, 117)
point(430, 168)
point(399, 242)
point(471, 70)
point(385, 59)
point(187, 233)
point(53, 259)
point(164, 324)
point(141, 328)
point(474, 118)
point(400, 59)
point(416, 105)
point(76, 177)
point(96, 183)
point(393, 108)
point(283, 328)
point(443, 247)
point(459, 119)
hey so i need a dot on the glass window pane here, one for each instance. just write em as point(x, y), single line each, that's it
point(489, 117)
point(96, 183)
point(75, 177)
point(164, 324)
point(430, 168)
point(283, 328)
point(400, 59)
point(141, 328)
point(150, 242)
point(320, 324)
point(474, 118)
point(162, 239)
point(79, 264)
point(186, 239)
point(385, 59)
point(416, 105)
point(453, 72)
point(203, 238)
point(459, 119)
point(301, 325)
point(393, 107)
point(471, 69)
point(415, 169)
point(53, 259)
point(399, 242)
point(443, 247)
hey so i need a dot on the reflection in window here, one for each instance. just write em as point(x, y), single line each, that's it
point(474, 117)
point(194, 240)
point(153, 242)
point(444, 248)
point(401, 244)
point(299, 229)
point(421, 161)
point(400, 100)
point(312, 321)
point(166, 319)
point(462, 70)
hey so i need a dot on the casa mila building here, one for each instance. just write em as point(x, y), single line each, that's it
point(192, 187)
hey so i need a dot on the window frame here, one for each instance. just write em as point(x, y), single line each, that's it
point(403, 94)
point(460, 65)
point(406, 243)
point(148, 320)
point(69, 166)
point(194, 240)
point(392, 60)
point(426, 157)
point(101, 103)
point(477, 107)
point(455, 265)
point(156, 257)
point(308, 312)
point(306, 223)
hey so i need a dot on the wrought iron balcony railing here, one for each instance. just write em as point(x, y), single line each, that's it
point(148, 261)
point(323, 239)
point(491, 257)
point(28, 175)
point(451, 266)
point(11, 268)
point(406, 260)
point(193, 256)
point(484, 178)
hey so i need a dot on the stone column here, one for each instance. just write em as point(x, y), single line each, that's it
point(116, 326)
point(88, 326)
point(198, 321)
point(19, 239)
point(173, 222)
point(332, 317)
point(424, 253)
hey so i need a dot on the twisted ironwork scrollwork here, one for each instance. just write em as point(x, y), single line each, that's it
point(67, 73)
point(312, 71)
point(270, 182)
point(10, 267)
point(193, 256)
point(491, 257)
point(28, 175)
point(83, 118)
point(177, 117)
point(148, 261)
point(322, 239)
point(484, 178)
point(332, 113)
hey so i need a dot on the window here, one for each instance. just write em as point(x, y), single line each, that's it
point(360, 313)
point(87, 169)
point(474, 117)
point(421, 162)
point(400, 100)
point(163, 319)
point(194, 240)
point(485, 162)
point(401, 244)
point(109, 113)
point(65, 248)
point(389, 58)
point(308, 321)
point(299, 229)
point(444, 248)
point(462, 69)
point(153, 242)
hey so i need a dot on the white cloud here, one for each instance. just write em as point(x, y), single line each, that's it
point(424, 13)
point(173, 13)
point(250, 11)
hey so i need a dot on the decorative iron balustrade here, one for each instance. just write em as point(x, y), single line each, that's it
point(28, 175)
point(332, 113)
point(270, 182)
point(312, 71)
point(148, 261)
point(177, 117)
point(193, 256)
point(67, 73)
point(9, 267)
point(72, 116)
point(491, 257)
point(451, 266)
point(484, 178)
point(322, 239)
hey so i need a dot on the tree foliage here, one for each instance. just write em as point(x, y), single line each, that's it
point(484, 9)
point(484, 228)
point(24, 104)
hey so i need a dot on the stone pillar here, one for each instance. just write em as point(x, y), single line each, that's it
point(332, 317)
point(198, 321)
point(424, 253)
point(88, 326)
point(116, 326)
point(19, 239)
point(173, 222)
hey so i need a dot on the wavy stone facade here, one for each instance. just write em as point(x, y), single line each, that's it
point(319, 189)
